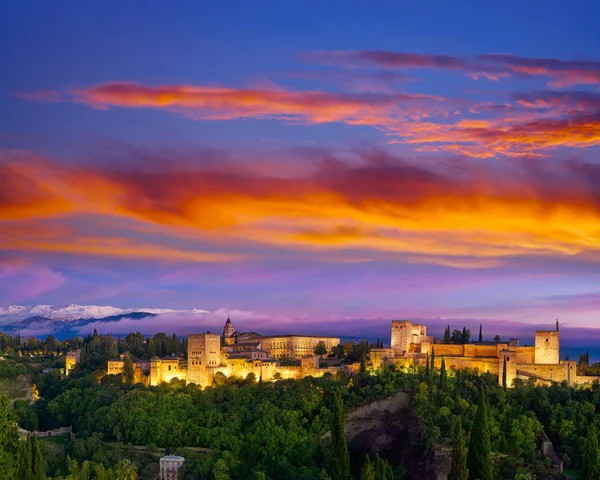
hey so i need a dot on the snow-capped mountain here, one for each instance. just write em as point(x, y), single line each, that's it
point(17, 313)
point(45, 319)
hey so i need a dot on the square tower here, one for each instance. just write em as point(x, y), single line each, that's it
point(204, 350)
point(547, 347)
point(402, 331)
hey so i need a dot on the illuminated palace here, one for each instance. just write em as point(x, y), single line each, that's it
point(240, 354)
point(410, 346)
point(237, 354)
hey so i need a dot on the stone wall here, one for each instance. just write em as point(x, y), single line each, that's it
point(166, 369)
point(525, 354)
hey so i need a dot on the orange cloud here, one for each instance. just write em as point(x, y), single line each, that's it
point(381, 204)
point(561, 73)
point(217, 103)
point(530, 126)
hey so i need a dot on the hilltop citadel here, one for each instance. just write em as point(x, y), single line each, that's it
point(267, 357)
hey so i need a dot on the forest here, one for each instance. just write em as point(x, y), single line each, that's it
point(287, 429)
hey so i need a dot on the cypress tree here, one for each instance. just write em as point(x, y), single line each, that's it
point(464, 335)
point(479, 460)
point(382, 469)
point(363, 364)
point(443, 375)
point(367, 472)
point(504, 373)
point(151, 348)
point(339, 464)
point(433, 359)
point(459, 470)
point(427, 367)
point(447, 335)
point(591, 456)
point(480, 333)
point(128, 369)
point(37, 463)
point(24, 471)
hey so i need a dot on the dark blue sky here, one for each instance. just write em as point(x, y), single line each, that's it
point(310, 159)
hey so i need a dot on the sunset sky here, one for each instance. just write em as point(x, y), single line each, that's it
point(313, 161)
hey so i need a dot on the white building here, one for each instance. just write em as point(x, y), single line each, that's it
point(169, 467)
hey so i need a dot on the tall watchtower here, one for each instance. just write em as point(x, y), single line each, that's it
point(547, 346)
point(204, 351)
point(401, 336)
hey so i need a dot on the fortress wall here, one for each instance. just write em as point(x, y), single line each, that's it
point(486, 351)
point(457, 363)
point(443, 349)
point(585, 380)
point(379, 356)
point(554, 373)
point(525, 354)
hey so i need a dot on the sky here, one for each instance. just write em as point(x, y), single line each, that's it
point(326, 163)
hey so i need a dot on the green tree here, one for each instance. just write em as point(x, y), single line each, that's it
point(383, 470)
point(320, 349)
point(9, 442)
point(427, 366)
point(24, 471)
point(367, 472)
point(504, 374)
point(480, 333)
point(459, 470)
point(221, 470)
point(432, 359)
point(125, 470)
point(151, 349)
point(339, 461)
point(447, 336)
point(479, 460)
point(443, 375)
point(591, 456)
point(37, 463)
point(128, 369)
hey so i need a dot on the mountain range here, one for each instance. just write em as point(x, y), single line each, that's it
point(66, 321)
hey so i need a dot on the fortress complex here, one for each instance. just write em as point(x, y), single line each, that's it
point(411, 346)
point(236, 354)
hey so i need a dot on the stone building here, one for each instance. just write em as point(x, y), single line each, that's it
point(140, 368)
point(169, 466)
point(410, 346)
point(405, 333)
point(279, 346)
point(240, 355)
point(71, 361)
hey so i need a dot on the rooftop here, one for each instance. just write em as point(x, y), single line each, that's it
point(172, 458)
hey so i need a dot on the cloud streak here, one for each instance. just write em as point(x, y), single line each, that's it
point(525, 125)
point(464, 213)
point(561, 73)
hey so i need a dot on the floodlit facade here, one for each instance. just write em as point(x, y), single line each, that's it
point(240, 355)
point(169, 466)
point(410, 346)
